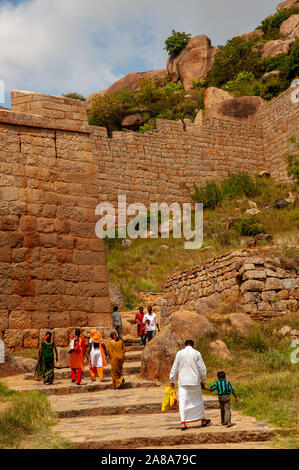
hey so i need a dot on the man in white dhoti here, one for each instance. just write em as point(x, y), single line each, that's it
point(191, 372)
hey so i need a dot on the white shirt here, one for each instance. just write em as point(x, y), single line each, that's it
point(189, 367)
point(153, 321)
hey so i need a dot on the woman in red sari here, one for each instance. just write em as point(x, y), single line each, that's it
point(140, 326)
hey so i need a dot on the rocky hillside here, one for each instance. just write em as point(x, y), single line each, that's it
point(259, 63)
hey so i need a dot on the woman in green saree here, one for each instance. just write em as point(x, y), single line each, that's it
point(45, 364)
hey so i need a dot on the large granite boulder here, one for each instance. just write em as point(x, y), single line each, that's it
point(220, 350)
point(131, 81)
point(244, 108)
point(213, 96)
point(279, 46)
point(288, 5)
point(241, 323)
point(116, 296)
point(28, 363)
point(63, 358)
point(10, 366)
point(290, 27)
point(132, 121)
point(194, 62)
point(257, 33)
point(158, 356)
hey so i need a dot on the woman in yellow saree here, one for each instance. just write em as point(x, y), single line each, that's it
point(115, 348)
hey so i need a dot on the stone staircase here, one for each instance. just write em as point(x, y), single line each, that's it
point(93, 415)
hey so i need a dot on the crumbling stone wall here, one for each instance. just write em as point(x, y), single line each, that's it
point(256, 280)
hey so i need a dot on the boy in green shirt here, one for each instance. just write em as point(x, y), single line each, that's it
point(224, 389)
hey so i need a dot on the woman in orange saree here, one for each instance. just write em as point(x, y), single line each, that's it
point(77, 357)
point(115, 348)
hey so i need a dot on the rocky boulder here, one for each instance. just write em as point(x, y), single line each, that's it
point(128, 329)
point(63, 358)
point(273, 74)
point(116, 296)
point(28, 363)
point(158, 356)
point(213, 96)
point(219, 349)
point(194, 62)
point(279, 46)
point(290, 27)
point(198, 121)
point(132, 121)
point(288, 5)
point(241, 323)
point(257, 33)
point(285, 331)
point(10, 366)
point(131, 81)
point(244, 108)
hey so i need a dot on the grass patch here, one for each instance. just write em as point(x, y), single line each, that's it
point(265, 380)
point(27, 414)
point(145, 266)
point(26, 422)
point(26, 353)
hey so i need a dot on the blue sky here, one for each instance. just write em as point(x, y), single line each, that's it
point(56, 46)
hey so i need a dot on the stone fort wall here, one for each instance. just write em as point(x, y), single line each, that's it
point(55, 169)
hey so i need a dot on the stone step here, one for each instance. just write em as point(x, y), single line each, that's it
point(115, 402)
point(157, 430)
point(132, 368)
point(65, 387)
point(133, 355)
point(135, 347)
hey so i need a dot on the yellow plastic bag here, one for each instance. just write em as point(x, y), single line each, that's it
point(170, 400)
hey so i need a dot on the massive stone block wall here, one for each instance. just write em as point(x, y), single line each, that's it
point(257, 281)
point(280, 121)
point(163, 164)
point(52, 265)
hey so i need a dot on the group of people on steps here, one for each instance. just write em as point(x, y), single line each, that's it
point(96, 352)
point(188, 369)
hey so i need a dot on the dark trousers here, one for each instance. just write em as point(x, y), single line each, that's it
point(224, 402)
point(119, 331)
point(150, 335)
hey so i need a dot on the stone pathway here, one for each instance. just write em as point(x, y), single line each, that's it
point(93, 415)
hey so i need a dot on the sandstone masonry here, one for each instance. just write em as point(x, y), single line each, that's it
point(55, 169)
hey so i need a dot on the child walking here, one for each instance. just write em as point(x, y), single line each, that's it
point(224, 389)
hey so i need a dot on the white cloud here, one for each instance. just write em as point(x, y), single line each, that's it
point(55, 46)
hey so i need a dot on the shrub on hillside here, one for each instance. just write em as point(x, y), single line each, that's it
point(240, 184)
point(235, 185)
point(272, 23)
point(236, 56)
point(210, 196)
point(249, 226)
point(74, 96)
point(175, 43)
